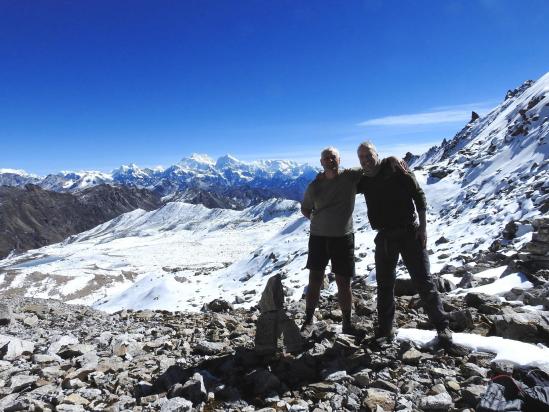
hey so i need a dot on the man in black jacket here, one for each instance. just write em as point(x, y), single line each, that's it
point(391, 196)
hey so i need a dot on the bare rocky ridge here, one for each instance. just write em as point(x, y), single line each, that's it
point(32, 217)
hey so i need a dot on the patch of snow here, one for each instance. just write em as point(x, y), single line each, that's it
point(505, 349)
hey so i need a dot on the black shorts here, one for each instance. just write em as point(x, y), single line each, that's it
point(340, 250)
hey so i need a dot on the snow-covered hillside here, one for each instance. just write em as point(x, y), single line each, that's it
point(495, 171)
point(483, 189)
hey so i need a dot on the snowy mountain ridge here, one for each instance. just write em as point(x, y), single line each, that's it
point(226, 182)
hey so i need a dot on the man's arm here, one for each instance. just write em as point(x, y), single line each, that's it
point(397, 164)
point(307, 205)
point(306, 212)
point(418, 195)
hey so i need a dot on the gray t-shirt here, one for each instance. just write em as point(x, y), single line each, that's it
point(332, 202)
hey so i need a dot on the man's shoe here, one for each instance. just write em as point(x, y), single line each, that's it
point(349, 329)
point(382, 334)
point(307, 329)
point(444, 336)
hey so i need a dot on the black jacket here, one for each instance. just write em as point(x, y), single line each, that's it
point(390, 197)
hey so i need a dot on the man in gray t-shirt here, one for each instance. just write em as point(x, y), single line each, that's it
point(329, 202)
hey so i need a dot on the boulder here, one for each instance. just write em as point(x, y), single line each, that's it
point(519, 326)
point(12, 347)
point(441, 402)
point(378, 397)
point(193, 389)
point(177, 405)
point(218, 306)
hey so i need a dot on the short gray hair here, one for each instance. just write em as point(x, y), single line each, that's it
point(330, 149)
point(367, 145)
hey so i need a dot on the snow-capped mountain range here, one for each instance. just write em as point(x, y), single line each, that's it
point(489, 180)
point(226, 178)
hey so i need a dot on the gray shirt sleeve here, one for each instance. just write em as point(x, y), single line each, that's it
point(307, 199)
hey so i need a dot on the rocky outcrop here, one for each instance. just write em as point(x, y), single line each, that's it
point(32, 217)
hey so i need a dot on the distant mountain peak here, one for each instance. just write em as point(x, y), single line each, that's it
point(226, 161)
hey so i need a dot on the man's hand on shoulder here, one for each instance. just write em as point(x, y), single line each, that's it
point(397, 165)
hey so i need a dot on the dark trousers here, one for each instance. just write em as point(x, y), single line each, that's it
point(403, 241)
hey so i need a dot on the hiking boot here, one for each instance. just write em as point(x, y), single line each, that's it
point(444, 336)
point(388, 334)
point(307, 329)
point(349, 329)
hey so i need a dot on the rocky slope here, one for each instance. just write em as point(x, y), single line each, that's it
point(32, 217)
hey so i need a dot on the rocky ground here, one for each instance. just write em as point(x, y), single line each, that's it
point(59, 357)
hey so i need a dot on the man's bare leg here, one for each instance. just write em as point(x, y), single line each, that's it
point(345, 299)
point(316, 277)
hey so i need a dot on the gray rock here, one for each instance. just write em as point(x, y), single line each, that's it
point(218, 305)
point(272, 298)
point(44, 359)
point(75, 399)
point(14, 402)
point(502, 367)
point(65, 407)
point(362, 378)
point(384, 384)
point(472, 393)
point(470, 369)
point(52, 372)
point(20, 382)
point(441, 402)
point(194, 389)
point(126, 346)
point(519, 326)
point(378, 397)
point(412, 356)
point(177, 405)
point(205, 347)
point(74, 350)
point(31, 321)
point(12, 347)
point(270, 327)
point(475, 300)
point(461, 320)
point(59, 341)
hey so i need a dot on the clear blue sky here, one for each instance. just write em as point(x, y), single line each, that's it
point(92, 84)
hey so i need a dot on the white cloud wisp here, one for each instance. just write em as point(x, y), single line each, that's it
point(453, 114)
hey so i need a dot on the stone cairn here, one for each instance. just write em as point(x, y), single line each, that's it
point(535, 254)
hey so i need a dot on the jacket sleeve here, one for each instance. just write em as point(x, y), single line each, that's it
point(416, 191)
point(307, 202)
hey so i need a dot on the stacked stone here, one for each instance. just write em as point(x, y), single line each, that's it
point(535, 254)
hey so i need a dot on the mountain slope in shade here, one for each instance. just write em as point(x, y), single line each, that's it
point(32, 217)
